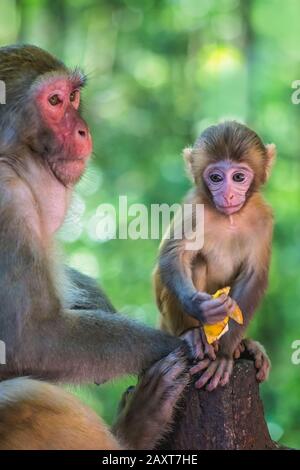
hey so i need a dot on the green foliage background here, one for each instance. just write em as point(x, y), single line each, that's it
point(159, 72)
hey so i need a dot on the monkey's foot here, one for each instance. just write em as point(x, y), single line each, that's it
point(214, 373)
point(261, 360)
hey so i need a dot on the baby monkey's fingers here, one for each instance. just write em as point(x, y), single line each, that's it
point(197, 342)
point(238, 351)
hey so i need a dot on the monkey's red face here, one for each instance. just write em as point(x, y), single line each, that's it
point(228, 183)
point(69, 146)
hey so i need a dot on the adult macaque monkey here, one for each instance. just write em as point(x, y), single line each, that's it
point(55, 323)
point(228, 164)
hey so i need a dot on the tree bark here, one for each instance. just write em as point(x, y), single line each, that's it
point(230, 417)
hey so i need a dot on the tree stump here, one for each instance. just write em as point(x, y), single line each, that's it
point(231, 417)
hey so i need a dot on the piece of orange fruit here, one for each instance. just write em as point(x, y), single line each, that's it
point(214, 332)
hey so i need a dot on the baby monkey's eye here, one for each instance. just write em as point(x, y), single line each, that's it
point(54, 100)
point(215, 178)
point(239, 177)
point(73, 95)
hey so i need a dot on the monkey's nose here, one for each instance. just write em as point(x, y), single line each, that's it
point(82, 133)
point(83, 140)
point(228, 198)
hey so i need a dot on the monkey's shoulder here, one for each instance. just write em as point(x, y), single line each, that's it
point(259, 212)
point(12, 187)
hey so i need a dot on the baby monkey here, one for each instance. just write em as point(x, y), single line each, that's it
point(228, 165)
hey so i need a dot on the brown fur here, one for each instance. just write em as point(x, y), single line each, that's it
point(39, 416)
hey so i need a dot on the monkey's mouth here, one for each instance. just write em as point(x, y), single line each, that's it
point(228, 210)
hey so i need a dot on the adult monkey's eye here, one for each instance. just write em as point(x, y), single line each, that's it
point(73, 95)
point(215, 178)
point(239, 177)
point(54, 100)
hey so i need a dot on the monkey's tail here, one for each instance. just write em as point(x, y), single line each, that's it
point(35, 415)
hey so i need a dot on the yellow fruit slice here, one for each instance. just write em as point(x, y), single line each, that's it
point(214, 332)
point(224, 290)
point(237, 315)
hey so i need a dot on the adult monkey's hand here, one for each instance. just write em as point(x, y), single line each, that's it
point(148, 410)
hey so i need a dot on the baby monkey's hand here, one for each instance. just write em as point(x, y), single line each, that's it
point(208, 310)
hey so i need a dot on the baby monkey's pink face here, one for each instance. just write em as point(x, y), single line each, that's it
point(228, 183)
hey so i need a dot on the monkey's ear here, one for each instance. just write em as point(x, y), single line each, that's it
point(187, 155)
point(271, 157)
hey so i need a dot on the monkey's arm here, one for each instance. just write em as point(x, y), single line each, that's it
point(86, 346)
point(174, 268)
point(174, 285)
point(85, 292)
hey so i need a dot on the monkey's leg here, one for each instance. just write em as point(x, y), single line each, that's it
point(39, 416)
point(247, 292)
point(149, 410)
